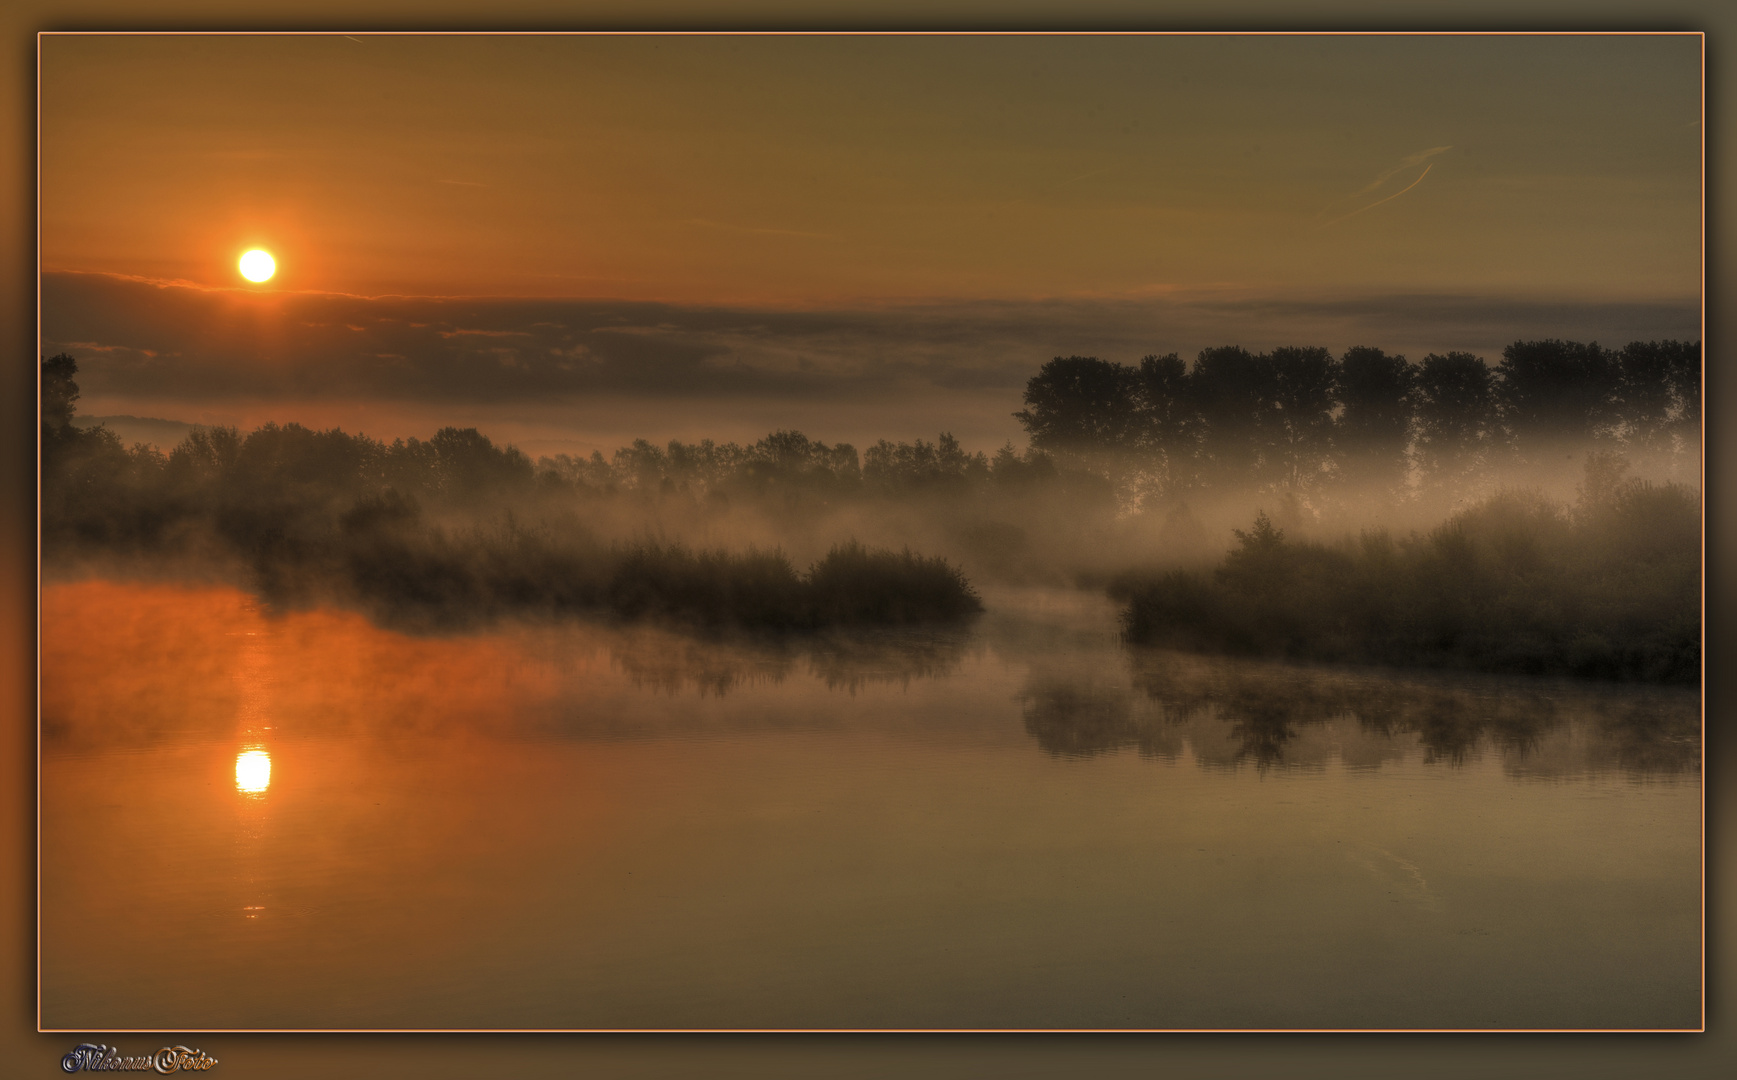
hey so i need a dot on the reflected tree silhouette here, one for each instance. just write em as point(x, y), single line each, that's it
point(1232, 711)
point(1650, 736)
point(850, 661)
point(1262, 739)
point(1079, 718)
point(672, 662)
point(673, 665)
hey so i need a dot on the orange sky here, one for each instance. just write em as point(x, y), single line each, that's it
point(828, 170)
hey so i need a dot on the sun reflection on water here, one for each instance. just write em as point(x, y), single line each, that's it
point(253, 772)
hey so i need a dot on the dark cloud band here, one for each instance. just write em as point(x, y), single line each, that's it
point(139, 338)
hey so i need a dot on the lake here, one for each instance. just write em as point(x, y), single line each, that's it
point(302, 820)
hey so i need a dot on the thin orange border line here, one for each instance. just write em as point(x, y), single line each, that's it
point(38, 366)
point(1703, 532)
point(875, 33)
point(878, 33)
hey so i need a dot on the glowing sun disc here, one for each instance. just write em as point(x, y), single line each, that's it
point(258, 265)
point(253, 771)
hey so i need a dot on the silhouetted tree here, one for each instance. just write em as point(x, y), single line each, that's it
point(1305, 386)
point(1373, 431)
point(705, 462)
point(412, 466)
point(93, 489)
point(59, 391)
point(1169, 434)
point(470, 464)
point(1667, 375)
point(791, 455)
point(1684, 369)
point(1456, 416)
point(1645, 401)
point(1551, 391)
point(641, 464)
point(274, 458)
point(1011, 469)
point(1235, 395)
point(1080, 404)
point(199, 463)
point(920, 464)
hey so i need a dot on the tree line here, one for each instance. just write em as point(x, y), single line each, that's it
point(1297, 417)
point(267, 483)
point(426, 533)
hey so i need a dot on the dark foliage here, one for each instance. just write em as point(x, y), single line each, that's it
point(431, 579)
point(907, 466)
point(1555, 390)
point(424, 534)
point(1608, 590)
point(1236, 395)
point(1295, 418)
point(1305, 390)
point(1456, 416)
point(59, 391)
point(1377, 392)
point(1658, 390)
point(1081, 403)
point(858, 584)
point(1170, 425)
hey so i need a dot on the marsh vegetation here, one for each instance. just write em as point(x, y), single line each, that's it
point(1530, 516)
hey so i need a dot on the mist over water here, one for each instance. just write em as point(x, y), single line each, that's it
point(1017, 823)
point(796, 734)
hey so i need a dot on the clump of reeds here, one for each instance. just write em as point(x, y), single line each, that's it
point(384, 558)
point(1609, 588)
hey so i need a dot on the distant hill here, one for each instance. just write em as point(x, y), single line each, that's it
point(165, 435)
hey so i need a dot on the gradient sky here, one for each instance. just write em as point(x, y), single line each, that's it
point(1190, 183)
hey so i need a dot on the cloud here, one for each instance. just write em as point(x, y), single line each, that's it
point(1408, 162)
point(480, 333)
point(138, 339)
point(1378, 202)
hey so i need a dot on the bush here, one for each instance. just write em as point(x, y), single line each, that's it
point(1516, 583)
point(858, 584)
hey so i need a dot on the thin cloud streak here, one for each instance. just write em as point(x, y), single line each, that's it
point(1408, 162)
point(1389, 198)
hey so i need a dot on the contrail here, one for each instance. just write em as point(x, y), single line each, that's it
point(1412, 159)
point(1389, 198)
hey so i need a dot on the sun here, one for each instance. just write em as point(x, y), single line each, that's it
point(258, 265)
point(253, 772)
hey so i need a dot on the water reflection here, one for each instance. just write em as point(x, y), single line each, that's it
point(673, 663)
point(584, 826)
point(1649, 736)
point(1070, 717)
point(252, 772)
point(1234, 712)
point(135, 666)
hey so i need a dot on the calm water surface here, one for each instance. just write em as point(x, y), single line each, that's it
point(306, 821)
